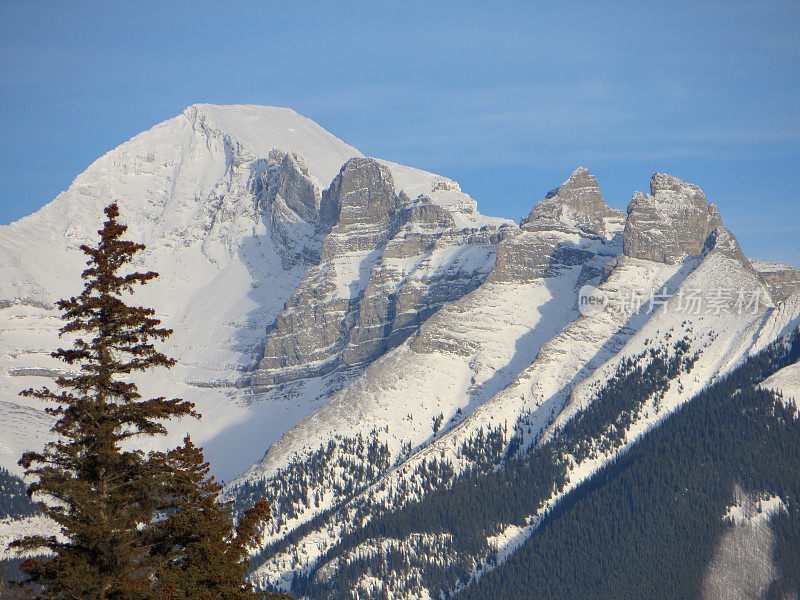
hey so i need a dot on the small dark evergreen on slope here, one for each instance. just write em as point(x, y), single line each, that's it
point(105, 497)
point(720, 437)
point(14, 501)
point(14, 504)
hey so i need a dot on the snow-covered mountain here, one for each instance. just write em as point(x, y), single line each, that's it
point(357, 335)
point(227, 201)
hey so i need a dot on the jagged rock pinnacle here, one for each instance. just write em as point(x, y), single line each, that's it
point(576, 204)
point(671, 222)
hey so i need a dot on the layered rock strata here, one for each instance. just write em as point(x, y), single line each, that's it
point(386, 264)
point(551, 236)
point(783, 279)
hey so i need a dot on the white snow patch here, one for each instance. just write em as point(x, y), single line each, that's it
point(15, 529)
point(787, 383)
point(754, 511)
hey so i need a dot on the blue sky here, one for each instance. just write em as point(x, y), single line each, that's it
point(506, 101)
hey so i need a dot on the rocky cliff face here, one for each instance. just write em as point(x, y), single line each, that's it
point(290, 197)
point(783, 279)
point(550, 237)
point(575, 205)
point(671, 222)
point(412, 259)
point(357, 213)
point(386, 264)
point(360, 204)
point(448, 263)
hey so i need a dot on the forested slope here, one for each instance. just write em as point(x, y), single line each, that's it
point(646, 525)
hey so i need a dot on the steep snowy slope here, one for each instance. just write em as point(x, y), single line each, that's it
point(786, 381)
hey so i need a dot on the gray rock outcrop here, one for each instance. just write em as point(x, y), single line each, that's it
point(783, 279)
point(533, 255)
point(357, 212)
point(386, 264)
point(671, 222)
point(290, 198)
point(361, 197)
point(541, 248)
point(576, 205)
point(395, 303)
point(296, 188)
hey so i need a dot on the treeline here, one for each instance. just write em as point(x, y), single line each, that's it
point(14, 501)
point(668, 492)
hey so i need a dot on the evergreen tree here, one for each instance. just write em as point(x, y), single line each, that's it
point(205, 558)
point(97, 490)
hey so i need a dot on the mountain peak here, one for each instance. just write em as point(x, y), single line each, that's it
point(260, 129)
point(363, 192)
point(576, 203)
point(671, 222)
point(580, 188)
point(580, 177)
point(668, 188)
point(208, 108)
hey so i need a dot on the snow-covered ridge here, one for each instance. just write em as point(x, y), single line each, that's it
point(260, 129)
